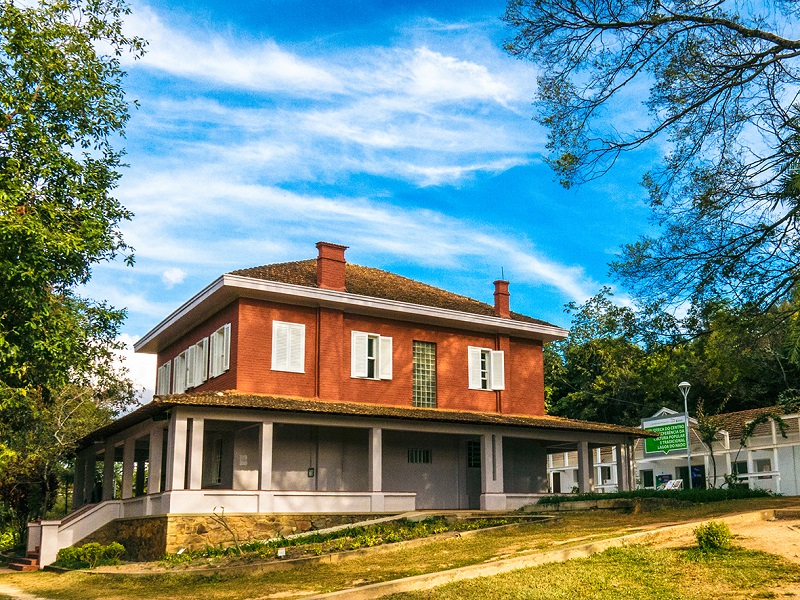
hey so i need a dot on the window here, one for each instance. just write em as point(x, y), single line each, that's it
point(163, 379)
point(740, 468)
point(370, 356)
point(197, 366)
point(474, 455)
point(216, 461)
point(419, 455)
point(219, 344)
point(423, 377)
point(763, 465)
point(486, 369)
point(288, 347)
point(179, 372)
point(605, 474)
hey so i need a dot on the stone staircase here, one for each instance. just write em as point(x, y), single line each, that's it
point(29, 563)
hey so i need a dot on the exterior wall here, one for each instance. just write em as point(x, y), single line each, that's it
point(524, 467)
point(327, 361)
point(438, 484)
point(226, 381)
point(338, 457)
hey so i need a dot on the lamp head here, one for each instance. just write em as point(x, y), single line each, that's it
point(684, 386)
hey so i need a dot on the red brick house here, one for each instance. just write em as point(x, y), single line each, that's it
point(321, 386)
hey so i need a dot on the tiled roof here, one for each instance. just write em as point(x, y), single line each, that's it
point(366, 281)
point(734, 422)
point(309, 405)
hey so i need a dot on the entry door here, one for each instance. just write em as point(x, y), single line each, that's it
point(556, 482)
point(473, 476)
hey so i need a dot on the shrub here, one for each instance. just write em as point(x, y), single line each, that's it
point(89, 555)
point(714, 535)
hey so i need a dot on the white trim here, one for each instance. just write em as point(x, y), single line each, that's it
point(287, 292)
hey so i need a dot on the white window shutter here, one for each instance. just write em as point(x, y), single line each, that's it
point(498, 370)
point(167, 376)
point(280, 346)
point(212, 353)
point(202, 371)
point(191, 367)
point(474, 359)
point(385, 357)
point(297, 348)
point(226, 348)
point(358, 354)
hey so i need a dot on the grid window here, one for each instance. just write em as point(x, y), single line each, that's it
point(424, 375)
point(485, 358)
point(474, 455)
point(419, 455)
point(372, 355)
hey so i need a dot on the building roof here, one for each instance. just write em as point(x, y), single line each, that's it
point(238, 400)
point(735, 422)
point(375, 283)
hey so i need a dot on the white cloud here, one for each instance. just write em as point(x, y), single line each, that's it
point(173, 276)
point(141, 367)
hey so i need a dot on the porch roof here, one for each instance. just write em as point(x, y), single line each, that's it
point(237, 400)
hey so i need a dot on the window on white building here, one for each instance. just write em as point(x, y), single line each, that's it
point(179, 365)
point(486, 369)
point(219, 350)
point(163, 379)
point(763, 465)
point(419, 455)
point(288, 347)
point(370, 356)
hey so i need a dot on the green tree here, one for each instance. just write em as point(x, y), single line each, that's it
point(722, 80)
point(62, 107)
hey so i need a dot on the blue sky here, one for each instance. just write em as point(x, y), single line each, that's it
point(400, 130)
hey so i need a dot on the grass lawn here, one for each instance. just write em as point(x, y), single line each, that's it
point(636, 572)
point(570, 529)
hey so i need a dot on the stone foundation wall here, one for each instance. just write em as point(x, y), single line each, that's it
point(195, 532)
point(149, 538)
point(144, 538)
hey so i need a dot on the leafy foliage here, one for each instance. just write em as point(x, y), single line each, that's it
point(696, 495)
point(714, 535)
point(722, 80)
point(90, 555)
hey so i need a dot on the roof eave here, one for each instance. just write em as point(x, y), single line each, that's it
point(228, 287)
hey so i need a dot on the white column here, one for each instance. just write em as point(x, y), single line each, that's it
point(776, 468)
point(196, 456)
point(155, 459)
point(376, 459)
point(584, 468)
point(492, 496)
point(707, 466)
point(728, 464)
point(108, 471)
point(176, 453)
point(623, 485)
point(265, 451)
point(127, 467)
point(78, 485)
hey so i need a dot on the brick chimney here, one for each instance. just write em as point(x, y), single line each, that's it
point(330, 266)
point(501, 295)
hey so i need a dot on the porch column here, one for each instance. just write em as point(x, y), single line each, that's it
point(631, 462)
point(78, 485)
point(623, 484)
point(176, 453)
point(492, 497)
point(88, 478)
point(265, 451)
point(584, 468)
point(196, 455)
point(376, 459)
point(127, 468)
point(707, 467)
point(108, 472)
point(154, 468)
point(750, 468)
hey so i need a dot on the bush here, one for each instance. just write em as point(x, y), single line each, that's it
point(697, 495)
point(89, 555)
point(712, 536)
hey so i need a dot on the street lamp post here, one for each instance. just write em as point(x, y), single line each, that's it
point(684, 386)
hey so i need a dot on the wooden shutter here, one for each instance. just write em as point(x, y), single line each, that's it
point(498, 370)
point(226, 347)
point(202, 361)
point(358, 354)
point(474, 359)
point(297, 348)
point(280, 346)
point(385, 357)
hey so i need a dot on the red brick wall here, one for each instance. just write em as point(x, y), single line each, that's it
point(254, 372)
point(226, 381)
point(328, 340)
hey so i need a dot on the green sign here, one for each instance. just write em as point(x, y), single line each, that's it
point(673, 435)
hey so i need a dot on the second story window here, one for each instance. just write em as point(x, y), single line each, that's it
point(423, 383)
point(288, 347)
point(370, 356)
point(486, 369)
point(163, 379)
point(219, 344)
